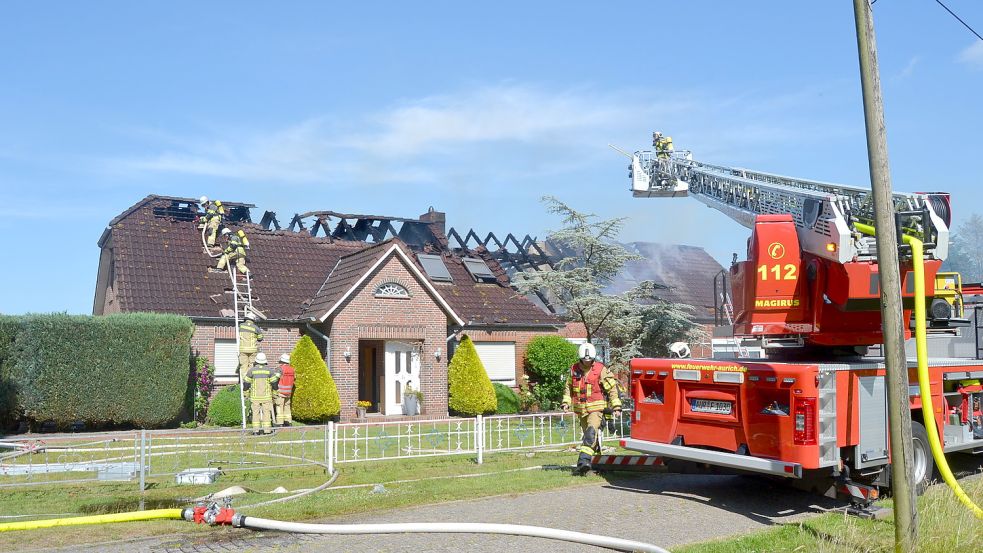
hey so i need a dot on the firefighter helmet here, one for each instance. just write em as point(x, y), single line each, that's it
point(250, 315)
point(226, 231)
point(203, 200)
point(260, 358)
point(587, 351)
point(679, 349)
point(285, 358)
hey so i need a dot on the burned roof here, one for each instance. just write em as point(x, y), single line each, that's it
point(161, 266)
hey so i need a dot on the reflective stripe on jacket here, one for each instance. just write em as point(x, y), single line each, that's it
point(592, 391)
point(286, 385)
point(249, 337)
point(261, 381)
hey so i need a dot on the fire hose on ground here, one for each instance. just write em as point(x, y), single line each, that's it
point(924, 389)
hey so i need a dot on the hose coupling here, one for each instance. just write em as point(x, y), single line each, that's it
point(238, 520)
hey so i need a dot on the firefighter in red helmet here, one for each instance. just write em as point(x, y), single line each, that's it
point(592, 388)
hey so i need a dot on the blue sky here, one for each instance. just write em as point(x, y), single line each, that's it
point(475, 109)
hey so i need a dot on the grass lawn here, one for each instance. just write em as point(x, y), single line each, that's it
point(504, 476)
point(945, 526)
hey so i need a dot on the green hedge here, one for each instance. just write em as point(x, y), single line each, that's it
point(548, 359)
point(471, 391)
point(315, 397)
point(226, 409)
point(508, 400)
point(126, 369)
point(9, 328)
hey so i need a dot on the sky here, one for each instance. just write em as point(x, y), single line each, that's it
point(476, 109)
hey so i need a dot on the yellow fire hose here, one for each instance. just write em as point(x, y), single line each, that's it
point(924, 390)
point(134, 516)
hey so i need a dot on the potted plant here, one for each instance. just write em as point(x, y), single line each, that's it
point(412, 401)
point(360, 407)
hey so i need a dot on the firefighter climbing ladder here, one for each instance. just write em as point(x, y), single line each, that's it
point(242, 302)
point(823, 212)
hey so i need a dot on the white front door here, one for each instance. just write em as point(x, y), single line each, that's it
point(402, 370)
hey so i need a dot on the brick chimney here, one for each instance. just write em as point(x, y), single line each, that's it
point(434, 216)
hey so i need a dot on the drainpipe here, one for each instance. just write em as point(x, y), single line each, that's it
point(316, 332)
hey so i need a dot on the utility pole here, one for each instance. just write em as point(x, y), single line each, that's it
point(895, 360)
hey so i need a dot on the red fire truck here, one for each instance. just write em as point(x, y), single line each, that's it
point(814, 410)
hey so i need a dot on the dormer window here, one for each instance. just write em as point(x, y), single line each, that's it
point(392, 290)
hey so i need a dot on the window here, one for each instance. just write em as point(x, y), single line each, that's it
point(499, 360)
point(478, 269)
point(434, 267)
point(391, 290)
point(226, 358)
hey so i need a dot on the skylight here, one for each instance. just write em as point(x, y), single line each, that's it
point(478, 269)
point(435, 268)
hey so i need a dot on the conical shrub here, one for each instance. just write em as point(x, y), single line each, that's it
point(471, 391)
point(315, 397)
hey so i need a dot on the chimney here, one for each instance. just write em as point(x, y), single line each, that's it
point(434, 216)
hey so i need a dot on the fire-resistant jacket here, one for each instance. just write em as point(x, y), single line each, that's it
point(250, 336)
point(260, 381)
point(663, 146)
point(592, 391)
point(285, 387)
point(213, 211)
point(234, 249)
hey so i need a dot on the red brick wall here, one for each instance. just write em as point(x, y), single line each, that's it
point(521, 339)
point(278, 338)
point(364, 316)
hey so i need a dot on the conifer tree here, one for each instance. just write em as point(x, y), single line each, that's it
point(315, 397)
point(471, 391)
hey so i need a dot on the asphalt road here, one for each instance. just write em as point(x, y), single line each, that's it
point(665, 510)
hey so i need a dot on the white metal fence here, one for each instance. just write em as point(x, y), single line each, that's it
point(138, 455)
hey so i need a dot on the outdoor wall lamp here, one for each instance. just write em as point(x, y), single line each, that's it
point(436, 354)
point(348, 354)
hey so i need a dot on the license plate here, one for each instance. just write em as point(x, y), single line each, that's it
point(710, 406)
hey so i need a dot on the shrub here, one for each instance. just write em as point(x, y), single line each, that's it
point(129, 369)
point(548, 359)
point(315, 397)
point(202, 383)
point(471, 392)
point(226, 407)
point(508, 401)
point(10, 327)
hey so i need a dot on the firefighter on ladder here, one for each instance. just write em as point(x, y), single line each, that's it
point(259, 381)
point(234, 251)
point(662, 144)
point(214, 213)
point(593, 389)
point(250, 335)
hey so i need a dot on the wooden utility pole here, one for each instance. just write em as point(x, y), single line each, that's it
point(895, 360)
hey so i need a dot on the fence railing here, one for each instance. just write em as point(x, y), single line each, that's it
point(142, 454)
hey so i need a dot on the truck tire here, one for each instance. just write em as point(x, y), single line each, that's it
point(923, 466)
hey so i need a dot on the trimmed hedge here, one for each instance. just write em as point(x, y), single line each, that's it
point(10, 327)
point(548, 359)
point(471, 391)
point(226, 409)
point(315, 397)
point(129, 369)
point(508, 400)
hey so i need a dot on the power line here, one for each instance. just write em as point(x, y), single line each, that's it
point(959, 19)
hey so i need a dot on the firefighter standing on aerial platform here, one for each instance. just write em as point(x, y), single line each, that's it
point(214, 213)
point(662, 144)
point(592, 389)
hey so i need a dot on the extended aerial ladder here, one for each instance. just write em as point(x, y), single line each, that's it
point(811, 278)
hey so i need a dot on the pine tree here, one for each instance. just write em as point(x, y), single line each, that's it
point(315, 397)
point(471, 391)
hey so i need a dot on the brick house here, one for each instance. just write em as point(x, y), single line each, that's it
point(385, 306)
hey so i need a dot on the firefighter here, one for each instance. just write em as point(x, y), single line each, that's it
point(259, 381)
point(214, 212)
point(284, 392)
point(234, 251)
point(592, 389)
point(663, 145)
point(250, 335)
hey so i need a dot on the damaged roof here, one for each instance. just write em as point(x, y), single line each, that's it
point(159, 265)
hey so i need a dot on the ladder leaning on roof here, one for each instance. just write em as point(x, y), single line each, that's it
point(242, 302)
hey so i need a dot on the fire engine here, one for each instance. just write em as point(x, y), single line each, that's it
point(814, 409)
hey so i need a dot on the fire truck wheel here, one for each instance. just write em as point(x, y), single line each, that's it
point(924, 465)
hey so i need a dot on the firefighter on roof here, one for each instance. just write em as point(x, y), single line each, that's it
point(662, 144)
point(259, 382)
point(592, 389)
point(250, 335)
point(234, 251)
point(214, 212)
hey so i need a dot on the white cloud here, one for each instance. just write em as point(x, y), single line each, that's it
point(487, 134)
point(910, 68)
point(973, 55)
